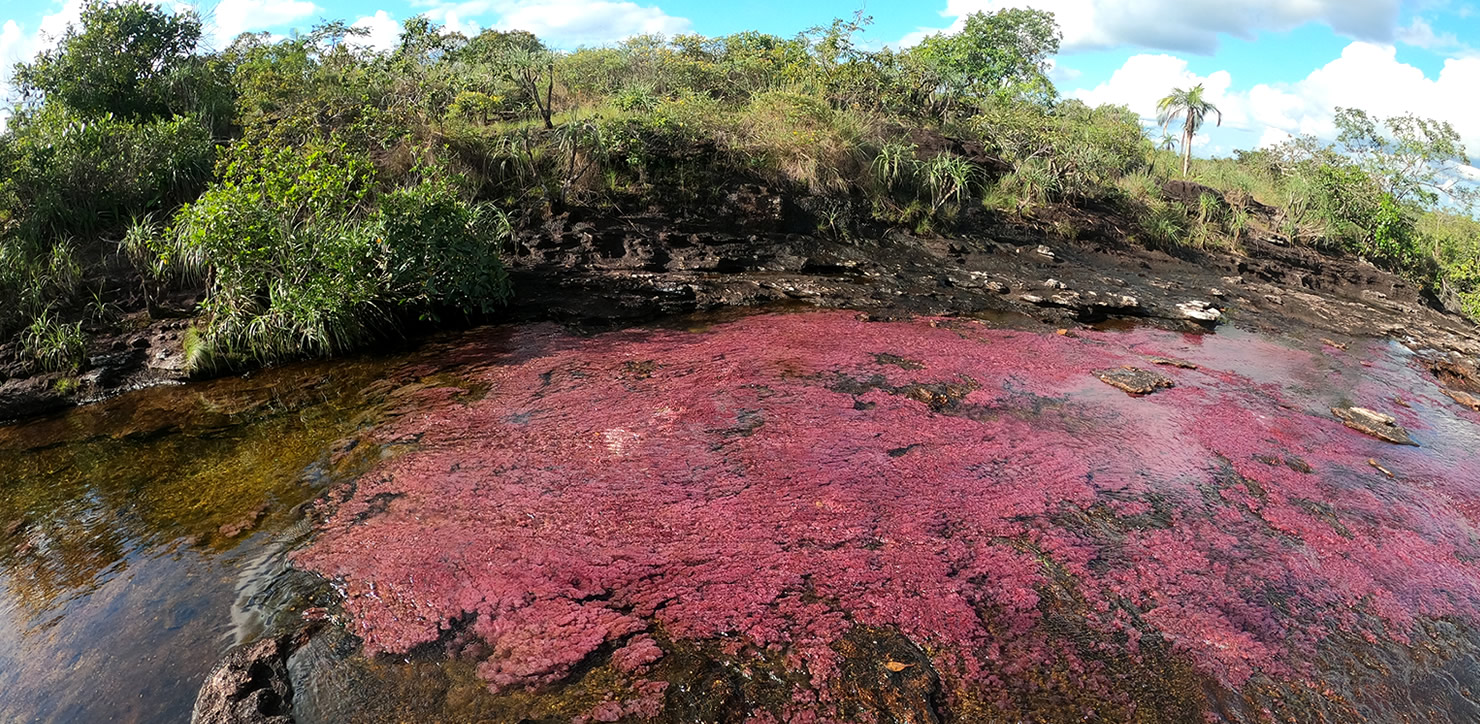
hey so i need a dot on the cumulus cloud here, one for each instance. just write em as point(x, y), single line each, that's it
point(384, 31)
point(230, 18)
point(1366, 75)
point(17, 45)
point(1191, 26)
point(561, 23)
point(587, 22)
point(1145, 79)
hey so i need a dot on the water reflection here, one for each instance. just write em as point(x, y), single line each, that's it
point(127, 528)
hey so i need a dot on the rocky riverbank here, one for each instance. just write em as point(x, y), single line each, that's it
point(605, 270)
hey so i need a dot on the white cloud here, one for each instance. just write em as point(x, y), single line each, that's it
point(17, 46)
point(1420, 34)
point(1062, 74)
point(1145, 79)
point(561, 23)
point(1273, 137)
point(385, 32)
point(589, 22)
point(1366, 75)
point(230, 18)
point(1192, 26)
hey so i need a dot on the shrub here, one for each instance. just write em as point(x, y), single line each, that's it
point(309, 255)
point(803, 139)
point(72, 176)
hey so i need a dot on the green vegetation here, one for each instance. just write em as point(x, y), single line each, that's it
point(1193, 108)
point(324, 195)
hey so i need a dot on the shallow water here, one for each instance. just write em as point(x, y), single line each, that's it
point(800, 517)
point(121, 577)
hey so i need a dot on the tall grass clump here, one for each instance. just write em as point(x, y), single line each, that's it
point(311, 253)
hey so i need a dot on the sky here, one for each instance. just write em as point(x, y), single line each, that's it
point(1274, 67)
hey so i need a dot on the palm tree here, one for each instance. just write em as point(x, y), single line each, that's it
point(1190, 105)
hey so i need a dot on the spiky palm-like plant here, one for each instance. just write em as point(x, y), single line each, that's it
point(1190, 105)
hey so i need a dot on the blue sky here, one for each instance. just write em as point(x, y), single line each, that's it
point(1275, 67)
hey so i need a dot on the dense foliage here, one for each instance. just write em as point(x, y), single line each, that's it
point(324, 193)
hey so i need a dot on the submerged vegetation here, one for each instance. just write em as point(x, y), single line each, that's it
point(323, 194)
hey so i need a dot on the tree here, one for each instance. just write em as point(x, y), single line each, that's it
point(1001, 53)
point(518, 57)
point(1413, 159)
point(1194, 110)
point(128, 58)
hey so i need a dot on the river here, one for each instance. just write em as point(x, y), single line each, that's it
point(782, 517)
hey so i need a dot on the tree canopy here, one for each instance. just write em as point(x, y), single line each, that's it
point(130, 59)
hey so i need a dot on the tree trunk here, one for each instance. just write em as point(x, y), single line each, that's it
point(549, 109)
point(1187, 133)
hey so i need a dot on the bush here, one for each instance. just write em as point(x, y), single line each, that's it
point(71, 176)
point(309, 255)
point(804, 140)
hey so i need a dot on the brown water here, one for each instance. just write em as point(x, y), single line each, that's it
point(140, 536)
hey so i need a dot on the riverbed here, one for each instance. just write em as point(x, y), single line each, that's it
point(782, 517)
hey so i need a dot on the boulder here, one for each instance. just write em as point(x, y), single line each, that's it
point(249, 686)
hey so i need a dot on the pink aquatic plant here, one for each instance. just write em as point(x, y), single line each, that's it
point(780, 480)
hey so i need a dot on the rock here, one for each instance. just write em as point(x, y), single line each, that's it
point(1045, 252)
point(1169, 362)
point(1233, 281)
point(249, 686)
point(1378, 466)
point(1135, 381)
point(1463, 398)
point(1200, 311)
point(1066, 299)
point(1189, 193)
point(1118, 301)
point(997, 287)
point(1032, 299)
point(1378, 425)
point(1055, 284)
point(1454, 376)
point(1215, 291)
point(29, 397)
point(1274, 299)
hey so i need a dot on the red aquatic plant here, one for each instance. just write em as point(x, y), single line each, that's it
point(779, 480)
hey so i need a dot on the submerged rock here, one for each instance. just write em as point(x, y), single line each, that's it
point(249, 686)
point(1376, 424)
point(1135, 381)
